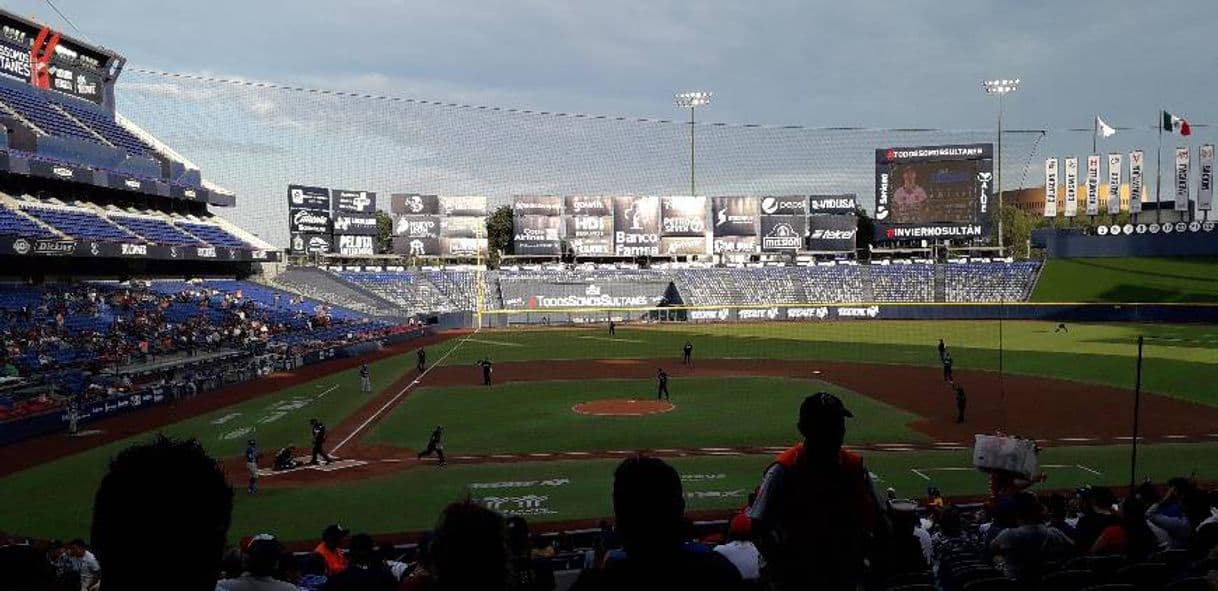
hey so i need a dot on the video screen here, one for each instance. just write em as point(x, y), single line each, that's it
point(933, 192)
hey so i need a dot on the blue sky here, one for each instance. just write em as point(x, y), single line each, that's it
point(858, 63)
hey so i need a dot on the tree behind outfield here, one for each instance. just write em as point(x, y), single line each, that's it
point(499, 229)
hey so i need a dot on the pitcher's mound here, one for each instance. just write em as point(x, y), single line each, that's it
point(622, 408)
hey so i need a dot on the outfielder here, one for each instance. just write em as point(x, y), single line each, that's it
point(947, 368)
point(365, 379)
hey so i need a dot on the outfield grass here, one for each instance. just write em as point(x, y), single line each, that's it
point(1128, 280)
point(537, 416)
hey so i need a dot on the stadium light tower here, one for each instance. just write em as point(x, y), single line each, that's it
point(691, 100)
point(1000, 88)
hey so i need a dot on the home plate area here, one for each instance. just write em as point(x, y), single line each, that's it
point(303, 464)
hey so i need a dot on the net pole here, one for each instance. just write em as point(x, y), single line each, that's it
point(1137, 407)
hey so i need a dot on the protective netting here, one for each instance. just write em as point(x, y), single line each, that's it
point(256, 138)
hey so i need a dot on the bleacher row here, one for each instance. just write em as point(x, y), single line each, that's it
point(65, 119)
point(32, 218)
point(450, 290)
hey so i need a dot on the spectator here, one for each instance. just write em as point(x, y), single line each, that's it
point(1059, 514)
point(392, 557)
point(78, 568)
point(151, 489)
point(366, 570)
point(952, 539)
point(1096, 505)
point(739, 550)
point(817, 513)
point(331, 549)
point(420, 577)
point(1131, 537)
point(1023, 551)
point(262, 565)
point(904, 552)
point(649, 505)
point(469, 550)
point(527, 575)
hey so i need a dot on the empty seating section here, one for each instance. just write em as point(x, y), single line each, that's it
point(81, 223)
point(320, 285)
point(36, 109)
point(156, 230)
point(105, 125)
point(903, 282)
point(15, 224)
point(213, 234)
point(989, 281)
point(457, 286)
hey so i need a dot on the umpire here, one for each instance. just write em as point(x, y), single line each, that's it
point(319, 441)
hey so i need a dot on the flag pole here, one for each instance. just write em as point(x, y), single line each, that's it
point(1159, 171)
point(1095, 131)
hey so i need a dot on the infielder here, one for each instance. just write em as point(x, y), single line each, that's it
point(422, 359)
point(686, 352)
point(251, 465)
point(487, 368)
point(365, 379)
point(434, 445)
point(612, 328)
point(661, 385)
point(947, 368)
point(961, 402)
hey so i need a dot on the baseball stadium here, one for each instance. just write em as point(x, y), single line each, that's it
point(372, 356)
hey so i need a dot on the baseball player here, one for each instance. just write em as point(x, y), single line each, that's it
point(434, 445)
point(1061, 327)
point(487, 368)
point(942, 350)
point(961, 402)
point(686, 351)
point(947, 368)
point(422, 354)
point(661, 384)
point(73, 416)
point(251, 465)
point(319, 440)
point(365, 379)
point(612, 328)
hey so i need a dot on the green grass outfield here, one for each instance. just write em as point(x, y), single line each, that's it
point(55, 498)
point(1128, 280)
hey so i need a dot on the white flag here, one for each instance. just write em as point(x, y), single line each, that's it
point(1103, 129)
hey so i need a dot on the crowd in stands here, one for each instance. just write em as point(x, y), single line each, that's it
point(66, 334)
point(816, 521)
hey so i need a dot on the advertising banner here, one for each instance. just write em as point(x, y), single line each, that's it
point(303, 197)
point(355, 201)
point(1051, 187)
point(537, 235)
point(309, 221)
point(783, 233)
point(837, 204)
point(1114, 184)
point(1135, 181)
point(1093, 185)
point(729, 245)
point(835, 233)
point(593, 206)
point(414, 204)
point(356, 245)
point(636, 226)
point(682, 245)
point(1182, 182)
point(1071, 187)
point(590, 235)
point(683, 216)
point(54, 247)
point(467, 205)
point(311, 243)
point(537, 205)
point(734, 216)
point(786, 205)
point(463, 247)
point(361, 224)
point(1205, 180)
point(417, 226)
point(416, 246)
point(462, 227)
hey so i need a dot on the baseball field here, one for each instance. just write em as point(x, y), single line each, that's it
point(568, 403)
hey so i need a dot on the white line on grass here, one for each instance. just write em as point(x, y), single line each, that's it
point(500, 343)
point(919, 473)
point(327, 391)
point(403, 391)
point(1091, 470)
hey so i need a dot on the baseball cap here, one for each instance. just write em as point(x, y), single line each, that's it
point(822, 405)
point(334, 531)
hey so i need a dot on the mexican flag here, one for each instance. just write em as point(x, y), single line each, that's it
point(1175, 124)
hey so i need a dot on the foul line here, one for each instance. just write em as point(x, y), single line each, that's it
point(610, 339)
point(500, 343)
point(403, 391)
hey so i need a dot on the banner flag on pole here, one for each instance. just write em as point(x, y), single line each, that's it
point(1103, 129)
point(1182, 184)
point(1135, 181)
point(1174, 124)
point(1051, 187)
point(1205, 179)
point(1071, 187)
point(1093, 184)
point(1114, 184)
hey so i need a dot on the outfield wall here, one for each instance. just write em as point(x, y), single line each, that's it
point(1057, 312)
